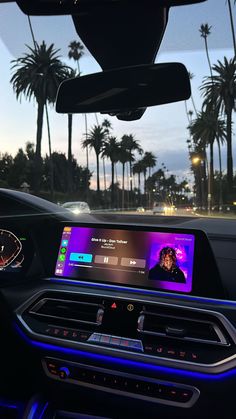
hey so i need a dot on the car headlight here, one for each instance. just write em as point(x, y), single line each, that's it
point(76, 211)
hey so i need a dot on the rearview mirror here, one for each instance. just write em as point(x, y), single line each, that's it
point(125, 89)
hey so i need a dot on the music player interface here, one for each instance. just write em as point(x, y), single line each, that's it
point(150, 259)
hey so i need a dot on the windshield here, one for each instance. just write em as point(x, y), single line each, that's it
point(178, 157)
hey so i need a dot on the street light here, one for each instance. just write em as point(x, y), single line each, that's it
point(195, 161)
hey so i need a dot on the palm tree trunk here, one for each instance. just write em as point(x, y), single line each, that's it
point(96, 117)
point(117, 204)
point(112, 185)
point(211, 174)
point(204, 167)
point(87, 158)
point(130, 176)
point(98, 179)
point(50, 155)
point(232, 26)
point(127, 181)
point(38, 163)
point(123, 185)
point(70, 116)
point(220, 180)
point(229, 151)
point(69, 178)
point(104, 174)
point(39, 128)
point(144, 187)
point(32, 32)
point(131, 184)
point(186, 110)
point(208, 57)
point(139, 187)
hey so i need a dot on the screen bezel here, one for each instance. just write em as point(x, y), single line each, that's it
point(204, 264)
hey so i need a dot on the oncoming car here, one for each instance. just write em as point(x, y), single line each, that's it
point(77, 207)
point(163, 208)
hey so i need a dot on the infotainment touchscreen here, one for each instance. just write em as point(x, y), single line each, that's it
point(160, 260)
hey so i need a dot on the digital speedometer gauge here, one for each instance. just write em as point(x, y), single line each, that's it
point(10, 248)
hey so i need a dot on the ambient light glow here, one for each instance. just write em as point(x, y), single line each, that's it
point(158, 260)
point(116, 362)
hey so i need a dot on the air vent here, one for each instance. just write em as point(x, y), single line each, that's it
point(68, 312)
point(182, 326)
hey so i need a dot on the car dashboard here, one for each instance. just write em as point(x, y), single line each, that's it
point(87, 330)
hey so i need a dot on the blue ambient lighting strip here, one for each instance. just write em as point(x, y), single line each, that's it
point(44, 410)
point(37, 410)
point(107, 359)
point(33, 411)
point(8, 404)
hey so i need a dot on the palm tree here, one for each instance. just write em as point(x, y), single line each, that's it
point(205, 31)
point(111, 150)
point(37, 75)
point(76, 52)
point(138, 169)
point(106, 124)
point(123, 157)
point(95, 140)
point(190, 113)
point(205, 130)
point(219, 92)
point(232, 24)
point(70, 74)
point(132, 146)
point(150, 160)
point(144, 164)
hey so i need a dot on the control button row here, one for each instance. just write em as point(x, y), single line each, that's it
point(104, 260)
point(122, 343)
point(71, 334)
point(169, 352)
point(158, 390)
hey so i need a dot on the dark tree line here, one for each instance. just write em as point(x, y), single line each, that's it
point(18, 172)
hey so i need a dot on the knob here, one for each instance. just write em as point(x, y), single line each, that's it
point(64, 372)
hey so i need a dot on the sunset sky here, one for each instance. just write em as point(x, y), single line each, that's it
point(161, 130)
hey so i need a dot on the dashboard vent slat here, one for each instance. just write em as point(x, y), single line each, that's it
point(69, 311)
point(181, 327)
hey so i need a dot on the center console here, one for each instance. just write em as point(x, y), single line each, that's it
point(123, 295)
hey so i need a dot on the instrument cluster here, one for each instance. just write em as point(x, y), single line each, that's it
point(16, 252)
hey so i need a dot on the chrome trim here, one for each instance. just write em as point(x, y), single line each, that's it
point(190, 403)
point(215, 368)
point(40, 303)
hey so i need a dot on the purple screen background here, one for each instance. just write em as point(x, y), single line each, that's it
point(141, 245)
